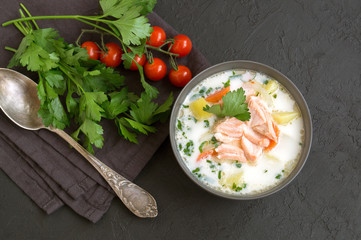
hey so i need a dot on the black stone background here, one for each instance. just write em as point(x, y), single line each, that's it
point(317, 44)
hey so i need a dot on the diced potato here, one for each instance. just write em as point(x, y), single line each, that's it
point(284, 118)
point(197, 109)
point(271, 86)
point(230, 180)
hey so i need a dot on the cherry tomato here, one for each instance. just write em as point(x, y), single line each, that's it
point(157, 37)
point(139, 60)
point(92, 48)
point(182, 45)
point(181, 77)
point(113, 57)
point(156, 70)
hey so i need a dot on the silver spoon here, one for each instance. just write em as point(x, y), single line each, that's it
point(19, 101)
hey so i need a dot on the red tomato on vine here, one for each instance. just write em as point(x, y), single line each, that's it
point(140, 60)
point(182, 45)
point(92, 48)
point(113, 56)
point(180, 77)
point(156, 70)
point(157, 37)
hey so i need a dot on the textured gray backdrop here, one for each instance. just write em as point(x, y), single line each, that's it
point(317, 44)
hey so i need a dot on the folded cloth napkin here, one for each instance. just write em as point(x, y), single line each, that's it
point(44, 166)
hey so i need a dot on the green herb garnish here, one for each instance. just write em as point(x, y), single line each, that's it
point(278, 176)
point(239, 165)
point(189, 148)
point(193, 118)
point(201, 146)
point(214, 141)
point(234, 105)
point(219, 174)
point(209, 91)
point(74, 89)
point(179, 125)
point(206, 123)
point(227, 84)
point(195, 170)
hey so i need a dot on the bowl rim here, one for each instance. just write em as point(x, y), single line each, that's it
point(281, 78)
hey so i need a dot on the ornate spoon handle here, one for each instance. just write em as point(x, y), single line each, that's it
point(137, 200)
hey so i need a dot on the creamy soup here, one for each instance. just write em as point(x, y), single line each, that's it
point(235, 156)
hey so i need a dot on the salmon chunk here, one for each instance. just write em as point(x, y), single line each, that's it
point(255, 137)
point(261, 120)
point(251, 150)
point(230, 152)
point(231, 127)
point(224, 138)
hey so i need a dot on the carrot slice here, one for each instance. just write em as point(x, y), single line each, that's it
point(215, 97)
point(273, 143)
point(205, 154)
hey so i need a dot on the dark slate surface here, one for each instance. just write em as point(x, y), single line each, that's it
point(317, 44)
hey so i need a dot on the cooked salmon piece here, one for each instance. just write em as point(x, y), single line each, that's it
point(230, 152)
point(225, 138)
point(232, 127)
point(261, 120)
point(251, 150)
point(255, 137)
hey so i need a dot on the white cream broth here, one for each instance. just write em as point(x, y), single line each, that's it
point(231, 176)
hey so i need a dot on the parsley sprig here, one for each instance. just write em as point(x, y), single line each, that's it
point(73, 88)
point(123, 19)
point(233, 105)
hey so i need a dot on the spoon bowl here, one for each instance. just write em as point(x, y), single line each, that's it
point(19, 101)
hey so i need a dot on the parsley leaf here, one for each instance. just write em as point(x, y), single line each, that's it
point(123, 131)
point(143, 110)
point(89, 104)
point(131, 24)
point(234, 105)
point(165, 106)
point(93, 134)
point(118, 103)
point(36, 58)
point(140, 127)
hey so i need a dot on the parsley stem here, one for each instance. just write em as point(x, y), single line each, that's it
point(26, 24)
point(40, 17)
point(27, 12)
point(76, 17)
point(20, 28)
point(64, 69)
point(97, 26)
point(10, 49)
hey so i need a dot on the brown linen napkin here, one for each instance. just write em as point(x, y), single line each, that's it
point(44, 166)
